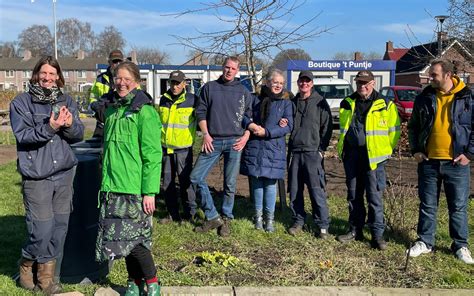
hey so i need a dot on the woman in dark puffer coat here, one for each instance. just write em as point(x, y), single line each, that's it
point(264, 157)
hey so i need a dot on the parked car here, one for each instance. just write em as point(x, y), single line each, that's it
point(403, 96)
point(334, 90)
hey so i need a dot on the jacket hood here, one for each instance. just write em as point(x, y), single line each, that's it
point(459, 88)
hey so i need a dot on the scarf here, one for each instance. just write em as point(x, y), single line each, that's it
point(44, 95)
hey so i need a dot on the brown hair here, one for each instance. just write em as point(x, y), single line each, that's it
point(446, 65)
point(47, 60)
point(233, 59)
point(131, 68)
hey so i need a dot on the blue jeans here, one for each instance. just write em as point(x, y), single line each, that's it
point(264, 191)
point(456, 179)
point(204, 164)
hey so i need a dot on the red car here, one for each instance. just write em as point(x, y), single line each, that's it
point(403, 96)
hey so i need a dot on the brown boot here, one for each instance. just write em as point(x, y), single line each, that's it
point(46, 278)
point(26, 280)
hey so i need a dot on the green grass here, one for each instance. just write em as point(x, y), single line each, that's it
point(276, 259)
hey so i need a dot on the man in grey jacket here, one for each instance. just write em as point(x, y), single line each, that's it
point(308, 141)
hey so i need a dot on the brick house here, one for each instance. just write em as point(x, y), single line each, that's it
point(413, 63)
point(79, 71)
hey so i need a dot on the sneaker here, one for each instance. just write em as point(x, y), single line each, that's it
point(418, 248)
point(258, 222)
point(209, 225)
point(323, 234)
point(295, 229)
point(378, 243)
point(350, 236)
point(224, 229)
point(464, 255)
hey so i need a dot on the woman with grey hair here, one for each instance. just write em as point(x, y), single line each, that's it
point(264, 156)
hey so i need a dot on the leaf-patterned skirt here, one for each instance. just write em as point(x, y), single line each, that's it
point(123, 225)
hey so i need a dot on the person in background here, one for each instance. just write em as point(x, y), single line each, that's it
point(264, 156)
point(370, 129)
point(102, 86)
point(441, 135)
point(177, 113)
point(131, 168)
point(309, 139)
point(223, 105)
point(45, 123)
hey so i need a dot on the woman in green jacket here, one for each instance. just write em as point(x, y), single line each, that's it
point(130, 180)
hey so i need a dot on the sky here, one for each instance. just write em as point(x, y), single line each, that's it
point(362, 25)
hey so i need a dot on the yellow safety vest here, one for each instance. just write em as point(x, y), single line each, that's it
point(382, 129)
point(178, 121)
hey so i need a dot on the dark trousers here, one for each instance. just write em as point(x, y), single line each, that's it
point(140, 264)
point(48, 204)
point(178, 163)
point(306, 168)
point(360, 179)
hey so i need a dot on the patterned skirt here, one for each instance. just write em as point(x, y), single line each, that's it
point(123, 225)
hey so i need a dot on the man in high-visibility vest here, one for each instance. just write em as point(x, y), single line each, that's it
point(178, 118)
point(103, 85)
point(370, 129)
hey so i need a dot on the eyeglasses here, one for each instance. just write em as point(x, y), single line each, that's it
point(277, 84)
point(117, 61)
point(125, 80)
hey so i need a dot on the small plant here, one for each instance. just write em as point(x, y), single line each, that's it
point(216, 257)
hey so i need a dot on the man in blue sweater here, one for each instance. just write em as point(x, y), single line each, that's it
point(223, 105)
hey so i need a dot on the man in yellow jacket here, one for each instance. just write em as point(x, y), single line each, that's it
point(370, 129)
point(177, 113)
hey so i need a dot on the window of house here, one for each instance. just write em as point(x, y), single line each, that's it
point(26, 74)
point(25, 85)
point(81, 74)
point(9, 73)
point(66, 74)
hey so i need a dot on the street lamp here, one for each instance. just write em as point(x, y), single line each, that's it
point(55, 30)
point(441, 34)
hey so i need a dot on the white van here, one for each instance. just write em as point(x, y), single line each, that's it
point(334, 90)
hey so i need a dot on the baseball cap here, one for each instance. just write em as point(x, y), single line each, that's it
point(307, 74)
point(115, 55)
point(364, 76)
point(177, 76)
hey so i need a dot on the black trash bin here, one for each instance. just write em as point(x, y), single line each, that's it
point(78, 261)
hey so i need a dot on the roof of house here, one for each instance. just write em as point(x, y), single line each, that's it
point(418, 57)
point(396, 54)
point(67, 63)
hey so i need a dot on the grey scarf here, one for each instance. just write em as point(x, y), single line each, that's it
point(44, 95)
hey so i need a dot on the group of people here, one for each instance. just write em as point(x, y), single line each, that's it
point(144, 142)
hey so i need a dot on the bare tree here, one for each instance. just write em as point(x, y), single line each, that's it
point(343, 55)
point(74, 35)
point(460, 23)
point(9, 49)
point(37, 39)
point(149, 55)
point(371, 55)
point(108, 40)
point(256, 27)
point(289, 55)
